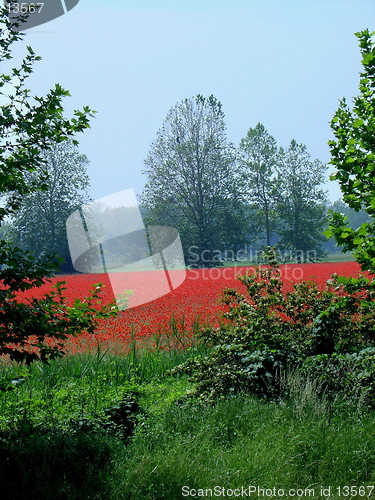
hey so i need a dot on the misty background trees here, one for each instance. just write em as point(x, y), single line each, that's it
point(258, 160)
point(39, 223)
point(222, 199)
point(300, 201)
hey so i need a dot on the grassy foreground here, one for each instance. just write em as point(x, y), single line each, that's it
point(101, 426)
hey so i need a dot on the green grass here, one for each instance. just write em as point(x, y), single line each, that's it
point(339, 257)
point(302, 443)
point(53, 433)
point(62, 425)
point(83, 385)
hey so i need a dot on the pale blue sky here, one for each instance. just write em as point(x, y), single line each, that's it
point(284, 64)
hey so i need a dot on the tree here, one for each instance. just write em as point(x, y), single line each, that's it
point(30, 127)
point(300, 201)
point(353, 156)
point(355, 219)
point(193, 182)
point(40, 220)
point(258, 157)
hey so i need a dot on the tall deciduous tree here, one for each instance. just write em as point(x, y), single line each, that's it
point(300, 200)
point(40, 221)
point(258, 158)
point(29, 127)
point(193, 180)
point(353, 155)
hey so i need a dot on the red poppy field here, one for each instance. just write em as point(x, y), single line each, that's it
point(197, 297)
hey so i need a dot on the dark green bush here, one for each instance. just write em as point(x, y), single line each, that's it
point(351, 375)
point(43, 464)
point(123, 416)
point(69, 456)
point(118, 420)
point(230, 369)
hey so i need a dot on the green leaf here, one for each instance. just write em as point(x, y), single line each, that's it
point(358, 123)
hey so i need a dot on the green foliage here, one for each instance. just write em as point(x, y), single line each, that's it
point(353, 156)
point(39, 224)
point(193, 183)
point(270, 331)
point(231, 369)
point(349, 375)
point(355, 218)
point(122, 299)
point(37, 329)
point(122, 417)
point(300, 199)
point(258, 157)
point(31, 129)
point(53, 464)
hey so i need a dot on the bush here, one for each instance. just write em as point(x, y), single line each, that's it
point(37, 329)
point(43, 464)
point(230, 369)
point(269, 331)
point(69, 459)
point(351, 375)
point(122, 417)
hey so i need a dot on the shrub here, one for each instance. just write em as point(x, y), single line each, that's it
point(43, 464)
point(351, 375)
point(37, 329)
point(269, 331)
point(122, 417)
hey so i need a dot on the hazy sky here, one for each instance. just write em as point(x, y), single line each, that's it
point(285, 64)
